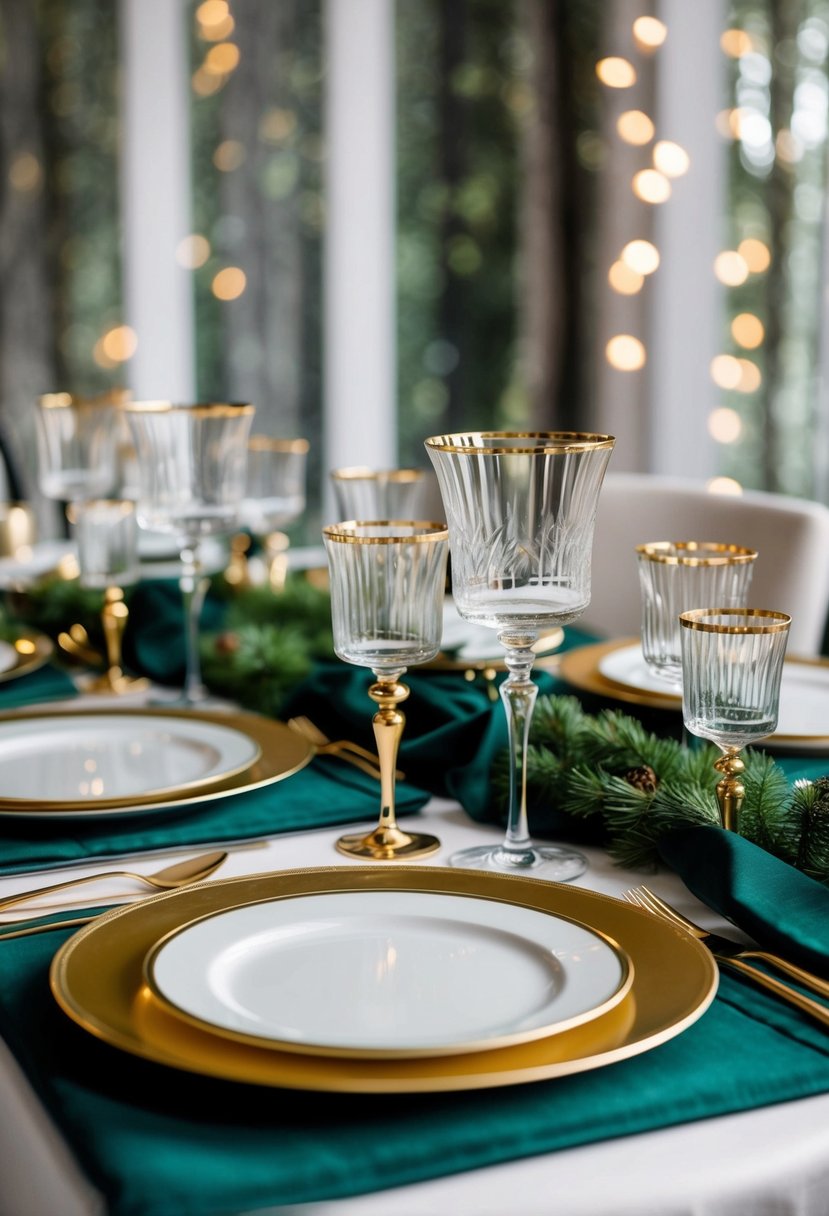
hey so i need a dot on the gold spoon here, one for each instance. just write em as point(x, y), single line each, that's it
point(179, 875)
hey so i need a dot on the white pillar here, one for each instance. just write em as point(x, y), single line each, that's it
point(156, 197)
point(686, 316)
point(360, 406)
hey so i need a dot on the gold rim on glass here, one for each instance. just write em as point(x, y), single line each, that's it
point(360, 473)
point(695, 553)
point(68, 401)
point(346, 533)
point(768, 620)
point(199, 408)
point(264, 443)
point(471, 443)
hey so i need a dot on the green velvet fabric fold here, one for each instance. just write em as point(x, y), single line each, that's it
point(46, 684)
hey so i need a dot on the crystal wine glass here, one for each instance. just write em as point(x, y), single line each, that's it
point(732, 665)
point(77, 441)
point(274, 496)
point(191, 462)
point(675, 576)
point(387, 583)
point(521, 510)
point(363, 493)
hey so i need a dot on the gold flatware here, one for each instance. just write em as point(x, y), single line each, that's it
point(181, 874)
point(737, 956)
point(31, 930)
point(353, 753)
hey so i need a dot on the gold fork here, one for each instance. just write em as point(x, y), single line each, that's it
point(735, 955)
point(353, 753)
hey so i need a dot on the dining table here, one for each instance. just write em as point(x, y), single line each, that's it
point(728, 1117)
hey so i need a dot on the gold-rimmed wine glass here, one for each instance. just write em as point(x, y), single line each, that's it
point(364, 493)
point(732, 666)
point(77, 444)
point(191, 462)
point(387, 580)
point(521, 508)
point(274, 497)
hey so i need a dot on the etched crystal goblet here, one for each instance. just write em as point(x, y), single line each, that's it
point(387, 581)
point(732, 666)
point(521, 509)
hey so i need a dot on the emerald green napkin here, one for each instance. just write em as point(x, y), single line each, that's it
point(154, 638)
point(327, 792)
point(777, 905)
point(46, 684)
point(161, 1143)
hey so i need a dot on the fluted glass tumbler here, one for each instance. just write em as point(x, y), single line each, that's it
point(521, 510)
point(363, 493)
point(76, 444)
point(677, 576)
point(387, 582)
point(732, 666)
point(191, 462)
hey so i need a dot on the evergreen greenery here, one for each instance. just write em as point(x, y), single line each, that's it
point(638, 785)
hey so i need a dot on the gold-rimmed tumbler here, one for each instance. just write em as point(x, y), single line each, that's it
point(387, 580)
point(191, 462)
point(77, 444)
point(732, 667)
point(676, 576)
point(521, 509)
point(363, 493)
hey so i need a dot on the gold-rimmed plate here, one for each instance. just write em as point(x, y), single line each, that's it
point(24, 653)
point(266, 751)
point(386, 974)
point(617, 671)
point(97, 977)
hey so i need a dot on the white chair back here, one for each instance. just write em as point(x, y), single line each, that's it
point(791, 536)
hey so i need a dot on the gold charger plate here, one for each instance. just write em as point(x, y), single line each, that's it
point(97, 979)
point(31, 652)
point(282, 752)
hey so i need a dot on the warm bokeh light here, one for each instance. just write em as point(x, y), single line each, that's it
point(634, 127)
point(25, 173)
point(229, 155)
point(725, 425)
point(725, 371)
point(731, 268)
point(736, 43)
point(649, 33)
point(651, 187)
point(624, 279)
point(101, 357)
point(221, 58)
point(212, 12)
point(276, 125)
point(625, 353)
point(670, 158)
point(747, 330)
point(755, 254)
point(229, 283)
point(616, 73)
point(729, 123)
point(724, 485)
point(204, 83)
point(641, 256)
point(193, 251)
point(119, 343)
point(750, 376)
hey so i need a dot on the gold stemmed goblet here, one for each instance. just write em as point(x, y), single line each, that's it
point(387, 580)
point(363, 493)
point(732, 665)
point(274, 497)
point(521, 510)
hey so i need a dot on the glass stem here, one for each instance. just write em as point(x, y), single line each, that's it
point(388, 725)
point(193, 590)
point(518, 692)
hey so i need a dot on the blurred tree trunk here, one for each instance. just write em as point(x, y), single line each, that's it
point(263, 327)
point(27, 342)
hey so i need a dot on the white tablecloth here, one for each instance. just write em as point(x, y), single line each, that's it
point(771, 1162)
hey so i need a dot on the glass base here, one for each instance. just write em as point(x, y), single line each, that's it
point(199, 697)
point(387, 844)
point(552, 862)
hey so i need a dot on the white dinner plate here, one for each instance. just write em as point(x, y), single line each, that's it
point(803, 722)
point(392, 974)
point(9, 657)
point(99, 759)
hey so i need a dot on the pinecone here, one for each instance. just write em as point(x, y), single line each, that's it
point(642, 778)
